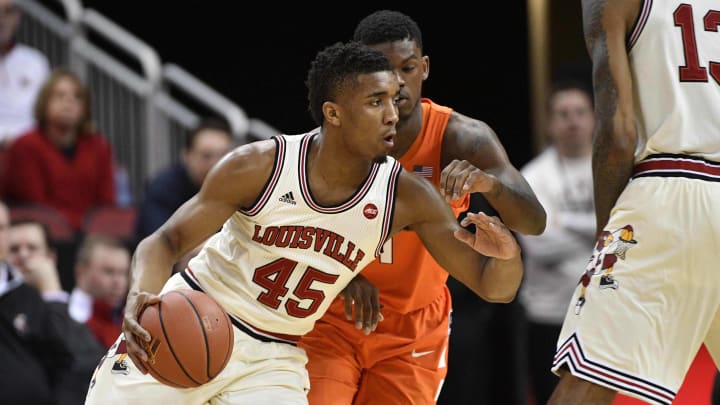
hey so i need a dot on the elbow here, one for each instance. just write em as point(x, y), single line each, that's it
point(540, 222)
point(620, 140)
point(499, 298)
point(532, 224)
point(497, 295)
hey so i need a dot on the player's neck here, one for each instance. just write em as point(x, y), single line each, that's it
point(335, 164)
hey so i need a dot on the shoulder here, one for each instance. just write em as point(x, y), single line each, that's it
point(464, 131)
point(473, 140)
point(31, 59)
point(252, 162)
point(240, 176)
point(28, 140)
point(603, 15)
point(415, 195)
point(30, 54)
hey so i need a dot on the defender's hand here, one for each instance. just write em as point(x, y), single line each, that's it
point(492, 238)
point(363, 295)
point(461, 177)
point(135, 335)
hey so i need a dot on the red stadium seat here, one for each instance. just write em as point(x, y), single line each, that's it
point(118, 222)
point(59, 228)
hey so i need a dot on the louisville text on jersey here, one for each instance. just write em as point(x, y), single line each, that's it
point(306, 237)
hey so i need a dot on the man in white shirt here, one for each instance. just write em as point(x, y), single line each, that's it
point(23, 70)
point(561, 177)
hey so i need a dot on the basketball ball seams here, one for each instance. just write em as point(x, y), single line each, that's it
point(179, 324)
point(205, 337)
point(169, 343)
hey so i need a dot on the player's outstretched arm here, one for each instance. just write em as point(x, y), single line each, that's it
point(474, 160)
point(605, 25)
point(488, 262)
point(235, 182)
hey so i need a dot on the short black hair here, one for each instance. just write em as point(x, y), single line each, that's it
point(214, 123)
point(567, 85)
point(335, 68)
point(387, 26)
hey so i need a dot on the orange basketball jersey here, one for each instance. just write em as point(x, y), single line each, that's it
point(406, 275)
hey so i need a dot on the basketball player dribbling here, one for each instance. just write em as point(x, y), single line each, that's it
point(301, 216)
point(650, 296)
point(405, 359)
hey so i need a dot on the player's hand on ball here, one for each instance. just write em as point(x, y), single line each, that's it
point(136, 302)
point(363, 296)
point(492, 238)
point(461, 177)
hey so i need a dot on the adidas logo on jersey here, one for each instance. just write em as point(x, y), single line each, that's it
point(288, 198)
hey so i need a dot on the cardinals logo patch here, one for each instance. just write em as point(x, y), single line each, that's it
point(610, 246)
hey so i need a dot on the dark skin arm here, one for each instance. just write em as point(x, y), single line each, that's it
point(195, 221)
point(488, 262)
point(474, 160)
point(606, 25)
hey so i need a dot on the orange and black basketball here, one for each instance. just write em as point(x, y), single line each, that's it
point(192, 338)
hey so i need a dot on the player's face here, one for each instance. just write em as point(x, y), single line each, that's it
point(368, 115)
point(412, 69)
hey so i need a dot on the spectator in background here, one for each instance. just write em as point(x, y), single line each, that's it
point(101, 271)
point(63, 162)
point(22, 71)
point(562, 179)
point(204, 146)
point(47, 357)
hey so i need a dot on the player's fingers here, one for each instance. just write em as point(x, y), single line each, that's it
point(448, 177)
point(375, 310)
point(135, 351)
point(464, 236)
point(359, 313)
point(132, 326)
point(348, 301)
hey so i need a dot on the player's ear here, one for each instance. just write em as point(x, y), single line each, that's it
point(331, 112)
point(426, 67)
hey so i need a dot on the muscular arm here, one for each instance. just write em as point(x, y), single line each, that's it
point(606, 24)
point(422, 209)
point(234, 183)
point(511, 196)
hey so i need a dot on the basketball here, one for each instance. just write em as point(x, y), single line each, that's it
point(192, 338)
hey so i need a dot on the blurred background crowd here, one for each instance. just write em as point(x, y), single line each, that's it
point(111, 116)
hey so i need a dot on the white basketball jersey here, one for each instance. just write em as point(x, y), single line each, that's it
point(674, 55)
point(279, 264)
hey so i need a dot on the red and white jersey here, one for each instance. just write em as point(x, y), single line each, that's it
point(674, 53)
point(279, 264)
